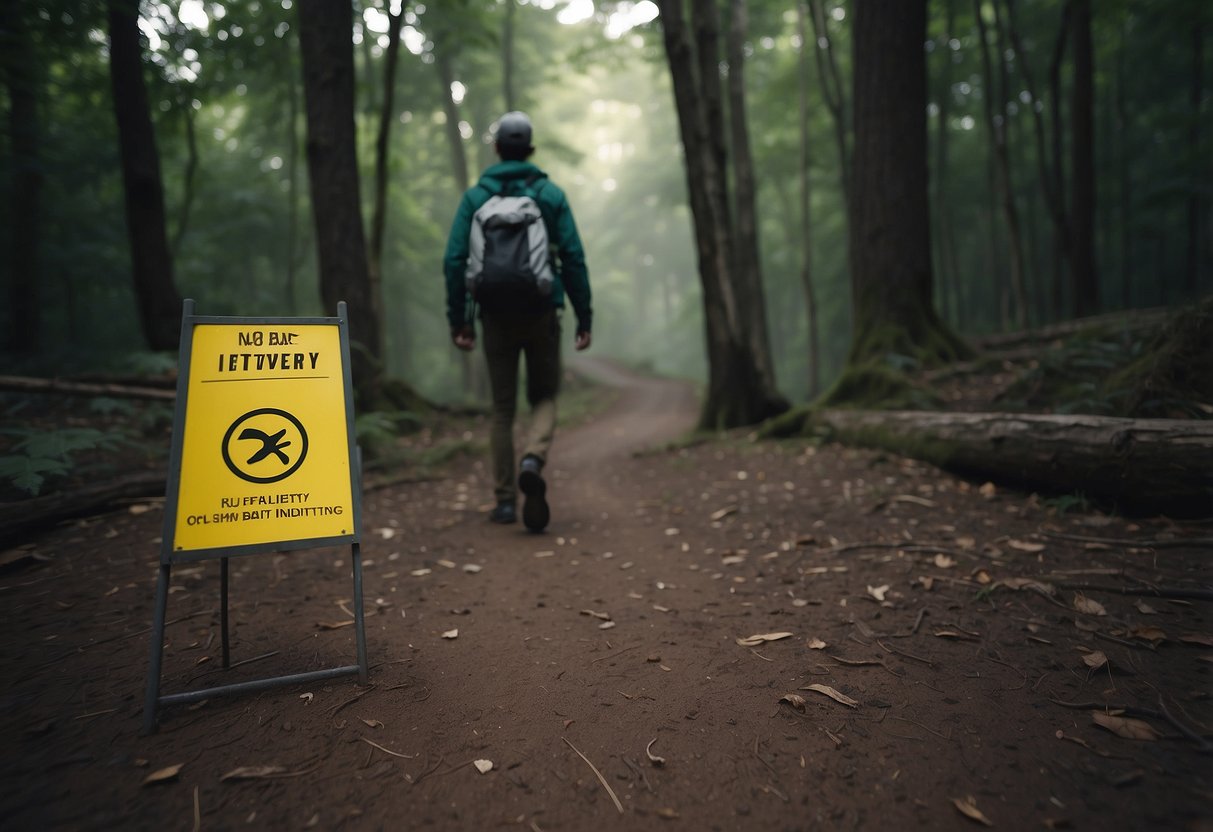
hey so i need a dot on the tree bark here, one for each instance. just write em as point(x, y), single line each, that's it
point(328, 84)
point(21, 72)
point(1138, 465)
point(889, 225)
point(947, 286)
point(747, 263)
point(996, 122)
point(738, 392)
point(805, 217)
point(151, 263)
point(507, 56)
point(379, 212)
point(835, 97)
point(1082, 148)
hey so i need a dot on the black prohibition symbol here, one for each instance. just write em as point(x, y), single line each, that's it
point(273, 446)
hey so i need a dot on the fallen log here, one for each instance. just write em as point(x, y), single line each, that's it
point(26, 384)
point(1138, 466)
point(22, 517)
point(1133, 320)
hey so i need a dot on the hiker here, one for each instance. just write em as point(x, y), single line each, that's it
point(512, 254)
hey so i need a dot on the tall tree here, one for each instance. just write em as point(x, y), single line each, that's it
point(1082, 153)
point(805, 218)
point(151, 262)
point(747, 260)
point(326, 44)
point(738, 393)
point(889, 226)
point(835, 95)
point(379, 211)
point(994, 98)
point(21, 74)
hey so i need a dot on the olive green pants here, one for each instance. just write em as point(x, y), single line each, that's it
point(537, 338)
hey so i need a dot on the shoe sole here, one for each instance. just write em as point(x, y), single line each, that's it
point(535, 511)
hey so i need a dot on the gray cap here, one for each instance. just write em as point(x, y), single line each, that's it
point(514, 130)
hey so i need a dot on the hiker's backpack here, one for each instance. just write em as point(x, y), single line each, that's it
point(509, 264)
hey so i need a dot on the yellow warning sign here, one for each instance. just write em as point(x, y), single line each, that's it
point(265, 452)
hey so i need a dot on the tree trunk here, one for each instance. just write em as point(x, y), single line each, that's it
point(459, 159)
point(1139, 465)
point(835, 98)
point(151, 264)
point(996, 122)
point(507, 56)
point(747, 262)
point(1082, 148)
point(1196, 196)
point(737, 393)
point(191, 170)
point(805, 218)
point(379, 213)
point(21, 72)
point(889, 226)
point(946, 268)
point(328, 85)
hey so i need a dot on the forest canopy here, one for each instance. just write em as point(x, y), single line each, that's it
point(1068, 154)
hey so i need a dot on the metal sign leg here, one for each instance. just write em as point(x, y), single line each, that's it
point(359, 622)
point(152, 697)
point(223, 573)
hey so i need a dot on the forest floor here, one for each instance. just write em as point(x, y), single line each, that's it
point(724, 634)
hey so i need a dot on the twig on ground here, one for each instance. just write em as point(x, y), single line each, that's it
point(387, 750)
point(1165, 543)
point(597, 773)
point(1201, 743)
point(613, 655)
point(333, 711)
point(889, 649)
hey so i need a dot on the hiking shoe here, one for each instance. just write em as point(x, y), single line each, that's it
point(535, 512)
point(504, 513)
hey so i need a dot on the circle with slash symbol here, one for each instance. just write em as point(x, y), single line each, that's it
point(265, 445)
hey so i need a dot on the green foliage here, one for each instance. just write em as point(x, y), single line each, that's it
point(39, 455)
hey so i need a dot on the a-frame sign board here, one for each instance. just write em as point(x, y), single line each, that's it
point(263, 460)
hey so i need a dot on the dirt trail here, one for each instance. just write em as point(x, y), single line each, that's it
point(614, 633)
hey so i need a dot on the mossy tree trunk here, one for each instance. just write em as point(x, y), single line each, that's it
point(739, 391)
point(889, 227)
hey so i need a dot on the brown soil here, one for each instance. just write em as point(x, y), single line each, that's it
point(615, 636)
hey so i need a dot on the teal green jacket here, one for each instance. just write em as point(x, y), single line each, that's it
point(509, 178)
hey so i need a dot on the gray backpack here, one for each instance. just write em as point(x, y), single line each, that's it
point(509, 263)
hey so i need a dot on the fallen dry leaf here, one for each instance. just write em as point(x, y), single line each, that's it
point(793, 699)
point(816, 644)
point(307, 698)
point(967, 806)
point(755, 640)
point(604, 616)
point(420, 573)
point(451, 633)
point(878, 592)
point(483, 766)
point(666, 813)
point(1197, 638)
point(982, 576)
point(606, 625)
point(1122, 726)
point(163, 775)
point(841, 698)
point(1148, 633)
point(720, 514)
point(373, 723)
point(944, 562)
point(1025, 546)
point(1145, 609)
point(1095, 660)
point(989, 491)
point(472, 568)
point(1087, 605)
